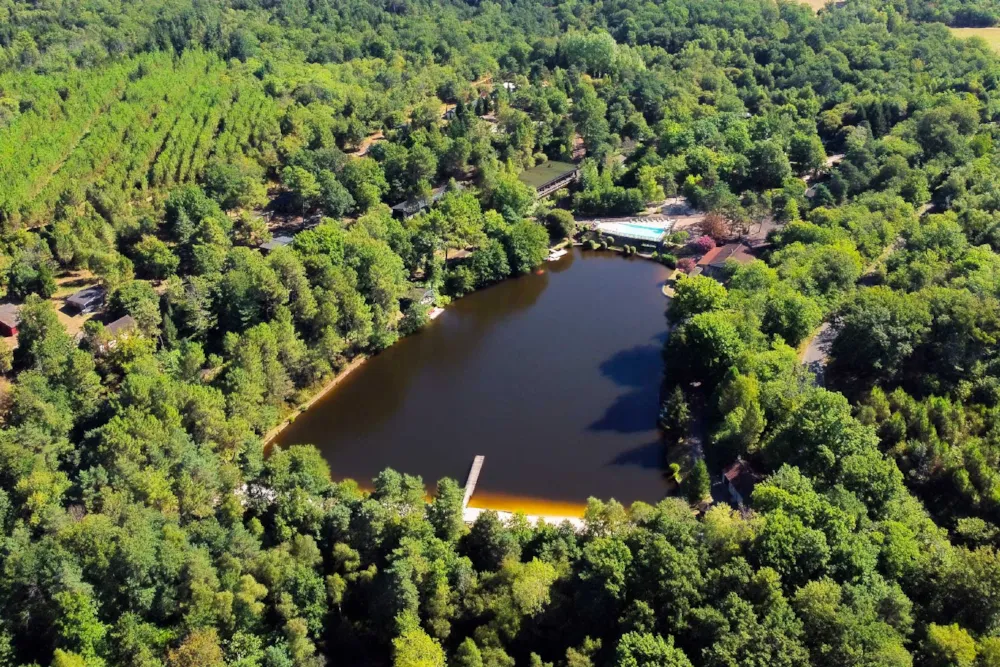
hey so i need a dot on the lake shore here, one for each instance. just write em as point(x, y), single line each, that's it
point(356, 363)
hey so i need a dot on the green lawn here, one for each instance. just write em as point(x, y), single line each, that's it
point(545, 172)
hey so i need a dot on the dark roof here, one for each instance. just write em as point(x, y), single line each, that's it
point(10, 314)
point(87, 296)
point(742, 477)
point(717, 257)
point(277, 242)
point(411, 206)
point(121, 324)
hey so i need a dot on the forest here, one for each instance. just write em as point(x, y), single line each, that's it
point(159, 149)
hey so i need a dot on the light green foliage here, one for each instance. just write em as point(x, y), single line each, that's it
point(415, 648)
point(527, 246)
point(141, 522)
point(949, 645)
point(694, 295)
point(646, 650)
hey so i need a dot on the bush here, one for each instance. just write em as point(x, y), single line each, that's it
point(414, 319)
point(560, 223)
point(703, 244)
point(668, 260)
point(686, 264)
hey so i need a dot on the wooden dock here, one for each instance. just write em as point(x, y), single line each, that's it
point(470, 514)
point(470, 482)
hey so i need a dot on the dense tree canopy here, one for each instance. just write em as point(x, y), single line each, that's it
point(153, 147)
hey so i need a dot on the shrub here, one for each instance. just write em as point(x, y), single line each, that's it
point(703, 244)
point(668, 260)
point(416, 316)
point(686, 264)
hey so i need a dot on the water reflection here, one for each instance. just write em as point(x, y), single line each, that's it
point(553, 377)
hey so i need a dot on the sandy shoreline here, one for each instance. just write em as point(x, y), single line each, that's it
point(327, 388)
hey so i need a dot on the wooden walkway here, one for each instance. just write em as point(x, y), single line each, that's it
point(470, 483)
point(470, 514)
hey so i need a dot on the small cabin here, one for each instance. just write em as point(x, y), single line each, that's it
point(118, 330)
point(10, 317)
point(275, 243)
point(714, 261)
point(411, 207)
point(87, 300)
point(422, 295)
point(740, 480)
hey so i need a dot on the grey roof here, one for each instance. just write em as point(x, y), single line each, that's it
point(87, 296)
point(277, 242)
point(121, 324)
point(411, 206)
point(10, 314)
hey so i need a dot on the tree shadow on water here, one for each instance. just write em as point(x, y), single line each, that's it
point(639, 368)
point(648, 456)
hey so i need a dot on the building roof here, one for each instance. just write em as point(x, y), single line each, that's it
point(412, 206)
point(10, 314)
point(87, 296)
point(717, 257)
point(277, 242)
point(120, 325)
point(742, 476)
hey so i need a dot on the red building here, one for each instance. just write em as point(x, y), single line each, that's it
point(10, 317)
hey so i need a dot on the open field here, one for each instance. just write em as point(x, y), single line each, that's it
point(545, 172)
point(816, 5)
point(991, 35)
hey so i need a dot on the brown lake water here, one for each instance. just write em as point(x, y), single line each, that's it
point(554, 377)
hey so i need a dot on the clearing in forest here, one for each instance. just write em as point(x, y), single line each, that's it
point(991, 35)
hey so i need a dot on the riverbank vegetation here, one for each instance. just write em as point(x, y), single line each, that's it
point(157, 146)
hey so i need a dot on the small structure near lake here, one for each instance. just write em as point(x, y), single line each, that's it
point(549, 176)
point(713, 263)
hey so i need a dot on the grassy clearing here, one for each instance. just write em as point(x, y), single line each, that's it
point(816, 5)
point(990, 35)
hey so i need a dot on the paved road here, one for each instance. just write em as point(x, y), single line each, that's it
point(817, 352)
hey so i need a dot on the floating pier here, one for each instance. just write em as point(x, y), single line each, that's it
point(470, 482)
point(470, 514)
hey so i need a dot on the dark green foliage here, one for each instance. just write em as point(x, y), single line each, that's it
point(142, 524)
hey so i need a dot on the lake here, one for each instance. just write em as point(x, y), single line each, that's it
point(554, 377)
